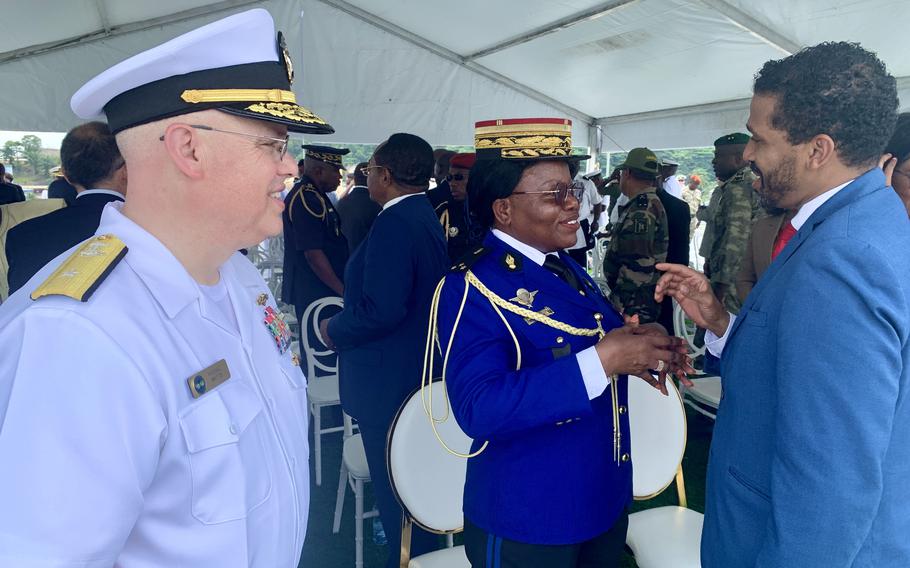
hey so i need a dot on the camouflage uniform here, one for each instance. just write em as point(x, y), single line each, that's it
point(707, 215)
point(693, 198)
point(737, 208)
point(639, 242)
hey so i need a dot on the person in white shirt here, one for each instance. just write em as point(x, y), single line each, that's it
point(169, 425)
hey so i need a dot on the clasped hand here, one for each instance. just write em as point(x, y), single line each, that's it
point(636, 349)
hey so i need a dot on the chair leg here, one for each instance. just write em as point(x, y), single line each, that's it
point(358, 524)
point(317, 442)
point(339, 498)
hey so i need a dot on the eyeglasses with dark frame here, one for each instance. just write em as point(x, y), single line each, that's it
point(561, 192)
point(282, 149)
point(456, 177)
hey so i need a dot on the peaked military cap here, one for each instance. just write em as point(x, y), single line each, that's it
point(731, 139)
point(207, 68)
point(327, 154)
point(642, 160)
point(525, 139)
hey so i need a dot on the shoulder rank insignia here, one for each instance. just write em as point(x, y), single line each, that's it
point(468, 260)
point(80, 275)
point(524, 297)
point(642, 200)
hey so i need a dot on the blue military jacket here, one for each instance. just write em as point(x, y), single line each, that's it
point(548, 475)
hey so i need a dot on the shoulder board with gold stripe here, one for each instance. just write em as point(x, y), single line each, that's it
point(80, 275)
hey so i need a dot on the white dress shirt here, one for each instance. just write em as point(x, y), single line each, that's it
point(673, 187)
point(109, 460)
point(399, 199)
point(99, 190)
point(716, 344)
point(596, 379)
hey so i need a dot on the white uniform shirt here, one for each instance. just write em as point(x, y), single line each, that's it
point(108, 460)
point(589, 199)
point(673, 187)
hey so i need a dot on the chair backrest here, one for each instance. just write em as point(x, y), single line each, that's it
point(685, 328)
point(658, 431)
point(428, 480)
point(316, 358)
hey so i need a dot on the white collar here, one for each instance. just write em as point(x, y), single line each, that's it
point(99, 190)
point(813, 204)
point(527, 250)
point(392, 202)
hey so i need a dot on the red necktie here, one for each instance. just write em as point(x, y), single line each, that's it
point(782, 239)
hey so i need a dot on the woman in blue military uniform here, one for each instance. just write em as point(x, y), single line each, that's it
point(535, 358)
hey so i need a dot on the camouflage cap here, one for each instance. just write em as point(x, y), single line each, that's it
point(731, 139)
point(643, 160)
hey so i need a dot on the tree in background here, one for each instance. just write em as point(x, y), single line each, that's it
point(31, 151)
point(11, 151)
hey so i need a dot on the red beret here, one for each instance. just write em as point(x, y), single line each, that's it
point(463, 160)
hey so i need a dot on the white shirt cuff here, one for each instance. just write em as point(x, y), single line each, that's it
point(596, 380)
point(716, 344)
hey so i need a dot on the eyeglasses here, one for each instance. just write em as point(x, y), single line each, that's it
point(456, 177)
point(561, 191)
point(280, 145)
point(366, 169)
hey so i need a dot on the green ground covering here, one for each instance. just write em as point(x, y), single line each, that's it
point(326, 550)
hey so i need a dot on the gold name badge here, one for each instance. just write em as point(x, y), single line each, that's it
point(207, 379)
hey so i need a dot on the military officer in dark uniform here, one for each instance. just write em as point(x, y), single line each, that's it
point(315, 250)
point(453, 212)
point(537, 362)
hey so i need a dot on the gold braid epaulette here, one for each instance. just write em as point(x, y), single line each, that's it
point(529, 314)
point(319, 216)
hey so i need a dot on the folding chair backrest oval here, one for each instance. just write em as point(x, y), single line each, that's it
point(427, 479)
point(658, 431)
point(685, 328)
point(309, 327)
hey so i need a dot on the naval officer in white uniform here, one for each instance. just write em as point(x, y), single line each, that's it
point(168, 427)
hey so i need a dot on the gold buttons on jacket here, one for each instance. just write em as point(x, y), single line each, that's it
point(560, 339)
point(623, 409)
point(626, 457)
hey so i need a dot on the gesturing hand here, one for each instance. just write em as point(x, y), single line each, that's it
point(693, 293)
point(635, 350)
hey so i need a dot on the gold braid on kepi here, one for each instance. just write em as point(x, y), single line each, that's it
point(525, 139)
point(498, 303)
point(326, 154)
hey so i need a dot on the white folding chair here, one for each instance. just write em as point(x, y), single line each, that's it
point(427, 480)
point(663, 537)
point(704, 394)
point(354, 472)
point(322, 391)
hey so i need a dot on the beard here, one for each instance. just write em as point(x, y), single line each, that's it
point(777, 184)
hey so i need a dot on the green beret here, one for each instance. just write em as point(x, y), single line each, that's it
point(731, 139)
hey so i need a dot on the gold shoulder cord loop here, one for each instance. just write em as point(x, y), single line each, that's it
point(319, 216)
point(498, 302)
point(444, 221)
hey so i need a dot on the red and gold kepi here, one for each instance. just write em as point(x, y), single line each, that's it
point(525, 139)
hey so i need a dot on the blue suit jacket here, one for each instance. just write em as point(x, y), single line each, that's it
point(34, 243)
point(548, 475)
point(389, 284)
point(810, 461)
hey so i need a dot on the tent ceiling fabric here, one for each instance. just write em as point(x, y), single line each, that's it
point(664, 73)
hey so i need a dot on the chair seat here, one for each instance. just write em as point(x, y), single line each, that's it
point(323, 390)
point(705, 390)
point(445, 558)
point(666, 536)
point(355, 458)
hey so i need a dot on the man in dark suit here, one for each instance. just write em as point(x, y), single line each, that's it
point(9, 192)
point(357, 210)
point(60, 188)
point(678, 241)
point(381, 332)
point(93, 164)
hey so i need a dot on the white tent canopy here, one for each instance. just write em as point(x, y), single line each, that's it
point(662, 73)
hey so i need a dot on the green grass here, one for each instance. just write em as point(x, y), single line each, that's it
point(323, 549)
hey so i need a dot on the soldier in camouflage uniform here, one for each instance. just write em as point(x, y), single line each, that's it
point(738, 207)
point(640, 239)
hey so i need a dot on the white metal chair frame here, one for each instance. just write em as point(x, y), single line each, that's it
point(663, 528)
point(428, 462)
point(322, 391)
point(353, 452)
point(704, 395)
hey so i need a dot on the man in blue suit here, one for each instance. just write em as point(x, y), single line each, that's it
point(93, 163)
point(380, 334)
point(811, 448)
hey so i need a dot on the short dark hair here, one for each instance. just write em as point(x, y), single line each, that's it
point(833, 88)
point(360, 177)
point(497, 179)
point(408, 158)
point(89, 154)
point(899, 145)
